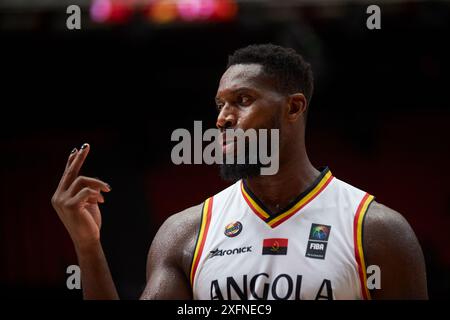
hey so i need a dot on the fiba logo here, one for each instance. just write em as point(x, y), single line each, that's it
point(318, 240)
point(319, 232)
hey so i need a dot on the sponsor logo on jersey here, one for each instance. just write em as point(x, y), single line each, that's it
point(233, 229)
point(228, 252)
point(275, 246)
point(318, 240)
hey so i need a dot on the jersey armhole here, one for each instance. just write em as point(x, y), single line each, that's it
point(201, 238)
point(358, 243)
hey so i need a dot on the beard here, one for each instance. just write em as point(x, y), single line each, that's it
point(236, 171)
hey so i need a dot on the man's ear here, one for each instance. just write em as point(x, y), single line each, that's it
point(297, 106)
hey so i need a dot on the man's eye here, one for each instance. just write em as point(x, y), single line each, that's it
point(219, 106)
point(245, 100)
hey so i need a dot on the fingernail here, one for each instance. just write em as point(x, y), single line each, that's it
point(109, 187)
point(74, 150)
point(84, 146)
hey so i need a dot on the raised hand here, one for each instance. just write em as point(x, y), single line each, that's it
point(76, 200)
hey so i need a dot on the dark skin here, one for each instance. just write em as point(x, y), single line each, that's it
point(246, 98)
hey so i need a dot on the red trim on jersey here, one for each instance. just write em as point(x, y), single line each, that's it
point(252, 207)
point(205, 228)
point(358, 254)
point(311, 199)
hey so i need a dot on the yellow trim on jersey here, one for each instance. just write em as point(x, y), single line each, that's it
point(260, 210)
point(362, 213)
point(304, 200)
point(200, 239)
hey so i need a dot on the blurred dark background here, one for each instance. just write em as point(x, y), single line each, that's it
point(135, 72)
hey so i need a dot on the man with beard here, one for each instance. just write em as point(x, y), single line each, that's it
point(298, 234)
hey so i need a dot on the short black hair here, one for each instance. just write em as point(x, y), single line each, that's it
point(288, 68)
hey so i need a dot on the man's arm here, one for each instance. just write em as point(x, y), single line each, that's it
point(96, 279)
point(170, 257)
point(76, 200)
point(390, 243)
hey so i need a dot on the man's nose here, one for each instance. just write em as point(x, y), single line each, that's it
point(226, 118)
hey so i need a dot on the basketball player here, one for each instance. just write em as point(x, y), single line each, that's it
point(299, 234)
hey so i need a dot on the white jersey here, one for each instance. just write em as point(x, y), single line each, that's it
point(310, 250)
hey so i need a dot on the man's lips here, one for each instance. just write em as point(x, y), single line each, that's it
point(224, 140)
point(227, 142)
point(228, 146)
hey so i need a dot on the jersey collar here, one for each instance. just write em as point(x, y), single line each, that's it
point(275, 219)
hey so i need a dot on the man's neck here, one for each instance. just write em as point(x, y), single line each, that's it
point(278, 191)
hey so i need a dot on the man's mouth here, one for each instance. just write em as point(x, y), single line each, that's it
point(227, 144)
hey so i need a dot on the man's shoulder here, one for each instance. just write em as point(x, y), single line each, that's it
point(184, 222)
point(175, 240)
point(381, 218)
point(387, 233)
point(390, 243)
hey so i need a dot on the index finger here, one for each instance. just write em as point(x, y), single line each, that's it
point(69, 162)
point(74, 168)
